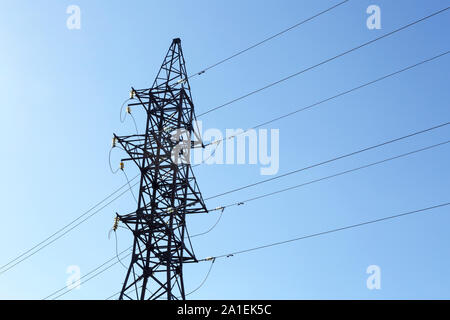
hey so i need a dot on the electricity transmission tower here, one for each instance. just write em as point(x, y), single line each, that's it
point(168, 190)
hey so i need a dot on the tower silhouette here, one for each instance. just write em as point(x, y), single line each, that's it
point(168, 190)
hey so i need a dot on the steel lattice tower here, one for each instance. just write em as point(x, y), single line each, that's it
point(168, 189)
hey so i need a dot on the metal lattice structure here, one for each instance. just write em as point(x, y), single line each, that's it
point(168, 189)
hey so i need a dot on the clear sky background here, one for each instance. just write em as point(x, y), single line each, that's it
point(61, 93)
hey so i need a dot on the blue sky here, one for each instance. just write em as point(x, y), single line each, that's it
point(61, 93)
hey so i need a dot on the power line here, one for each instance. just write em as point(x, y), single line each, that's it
point(330, 160)
point(333, 97)
point(4, 268)
point(232, 254)
point(70, 223)
point(240, 188)
point(25, 256)
point(266, 39)
point(211, 228)
point(204, 280)
point(165, 185)
point(129, 186)
point(323, 62)
point(335, 175)
point(121, 109)
point(87, 274)
point(259, 125)
point(134, 178)
point(135, 124)
point(270, 179)
point(106, 269)
point(109, 162)
point(322, 163)
point(93, 276)
point(67, 225)
point(297, 186)
point(187, 294)
point(325, 232)
point(117, 252)
point(113, 295)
